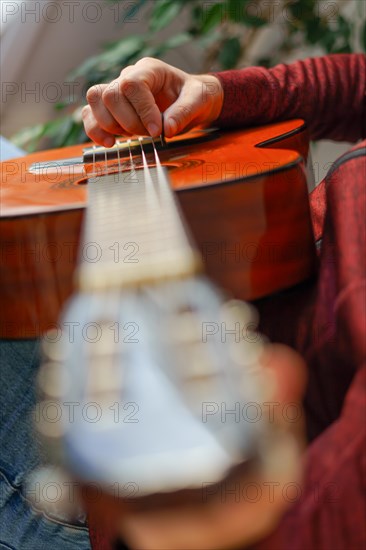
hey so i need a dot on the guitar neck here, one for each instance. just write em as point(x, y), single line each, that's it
point(139, 207)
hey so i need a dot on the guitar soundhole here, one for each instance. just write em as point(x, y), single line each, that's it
point(125, 167)
point(113, 169)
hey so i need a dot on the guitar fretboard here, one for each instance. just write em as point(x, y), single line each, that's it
point(133, 232)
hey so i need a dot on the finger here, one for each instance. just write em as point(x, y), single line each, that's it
point(185, 110)
point(143, 105)
point(102, 115)
point(115, 99)
point(94, 131)
point(223, 523)
point(169, 531)
point(289, 369)
point(288, 372)
point(102, 118)
point(152, 86)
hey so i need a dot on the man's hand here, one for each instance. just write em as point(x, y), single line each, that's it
point(132, 104)
point(223, 521)
point(246, 507)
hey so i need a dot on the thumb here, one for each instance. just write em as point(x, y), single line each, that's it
point(288, 372)
point(186, 109)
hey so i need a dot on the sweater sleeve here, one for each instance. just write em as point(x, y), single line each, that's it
point(329, 93)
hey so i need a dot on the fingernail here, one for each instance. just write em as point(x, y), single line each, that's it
point(172, 126)
point(153, 129)
point(108, 142)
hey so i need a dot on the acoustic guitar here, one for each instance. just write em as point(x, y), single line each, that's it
point(163, 374)
point(242, 194)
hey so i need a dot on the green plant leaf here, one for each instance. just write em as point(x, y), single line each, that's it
point(344, 27)
point(59, 133)
point(75, 134)
point(328, 40)
point(132, 11)
point(235, 9)
point(208, 39)
point(212, 16)
point(65, 102)
point(212, 24)
point(338, 41)
point(117, 55)
point(230, 53)
point(346, 48)
point(164, 12)
point(28, 138)
point(245, 12)
point(314, 30)
point(177, 40)
point(254, 21)
point(300, 10)
point(265, 62)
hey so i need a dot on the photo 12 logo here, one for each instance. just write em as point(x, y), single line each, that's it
point(69, 11)
point(51, 417)
point(251, 411)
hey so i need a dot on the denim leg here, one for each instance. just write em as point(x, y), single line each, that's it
point(21, 527)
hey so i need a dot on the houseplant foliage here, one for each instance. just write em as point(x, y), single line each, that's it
point(227, 32)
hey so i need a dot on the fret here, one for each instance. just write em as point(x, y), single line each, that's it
point(133, 232)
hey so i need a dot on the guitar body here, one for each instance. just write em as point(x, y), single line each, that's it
point(243, 195)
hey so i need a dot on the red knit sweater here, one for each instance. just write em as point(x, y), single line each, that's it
point(325, 320)
point(327, 92)
point(328, 319)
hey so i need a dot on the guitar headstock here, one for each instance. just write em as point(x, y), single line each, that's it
point(155, 386)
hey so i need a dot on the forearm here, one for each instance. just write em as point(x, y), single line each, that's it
point(327, 92)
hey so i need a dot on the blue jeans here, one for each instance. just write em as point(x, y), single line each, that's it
point(21, 526)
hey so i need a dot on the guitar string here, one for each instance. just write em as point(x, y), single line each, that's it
point(152, 199)
point(106, 160)
point(158, 195)
point(118, 155)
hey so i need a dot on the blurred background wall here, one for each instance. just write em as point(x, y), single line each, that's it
point(42, 41)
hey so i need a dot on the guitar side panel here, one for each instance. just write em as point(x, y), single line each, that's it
point(39, 255)
point(253, 241)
